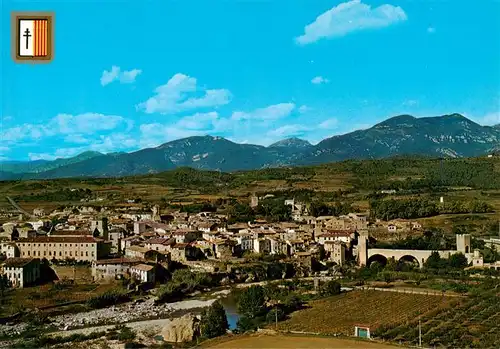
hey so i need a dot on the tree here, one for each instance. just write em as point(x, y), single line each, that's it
point(214, 321)
point(330, 288)
point(251, 303)
point(458, 261)
point(434, 261)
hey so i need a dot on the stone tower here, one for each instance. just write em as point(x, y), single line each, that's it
point(254, 201)
point(363, 248)
point(156, 213)
point(463, 243)
point(101, 225)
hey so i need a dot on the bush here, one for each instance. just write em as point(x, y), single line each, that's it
point(251, 303)
point(108, 298)
point(330, 288)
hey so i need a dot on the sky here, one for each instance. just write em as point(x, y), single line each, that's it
point(133, 74)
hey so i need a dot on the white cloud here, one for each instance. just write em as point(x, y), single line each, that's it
point(66, 124)
point(489, 119)
point(289, 130)
point(410, 103)
point(124, 77)
point(431, 30)
point(348, 17)
point(319, 80)
point(198, 121)
point(304, 109)
point(178, 95)
point(87, 123)
point(329, 124)
point(7, 118)
point(272, 112)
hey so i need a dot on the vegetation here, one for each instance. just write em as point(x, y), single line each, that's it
point(213, 321)
point(183, 282)
point(373, 308)
point(416, 208)
point(108, 298)
point(471, 323)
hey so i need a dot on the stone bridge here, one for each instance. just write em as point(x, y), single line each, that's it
point(419, 256)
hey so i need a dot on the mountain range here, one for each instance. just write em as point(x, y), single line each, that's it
point(441, 136)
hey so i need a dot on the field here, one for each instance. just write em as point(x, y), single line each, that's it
point(340, 314)
point(474, 323)
point(15, 300)
point(292, 342)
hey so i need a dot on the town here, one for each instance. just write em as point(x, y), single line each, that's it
point(140, 245)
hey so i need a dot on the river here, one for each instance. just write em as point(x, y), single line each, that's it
point(230, 305)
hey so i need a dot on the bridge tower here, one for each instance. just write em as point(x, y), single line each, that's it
point(464, 243)
point(363, 248)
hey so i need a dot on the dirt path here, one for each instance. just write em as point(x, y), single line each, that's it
point(294, 341)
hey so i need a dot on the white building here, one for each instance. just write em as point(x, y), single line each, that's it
point(21, 272)
point(143, 273)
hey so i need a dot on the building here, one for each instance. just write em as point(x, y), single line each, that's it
point(9, 249)
point(336, 250)
point(79, 248)
point(22, 272)
point(335, 235)
point(99, 227)
point(143, 272)
point(111, 269)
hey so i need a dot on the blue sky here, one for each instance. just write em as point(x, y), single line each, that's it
point(135, 74)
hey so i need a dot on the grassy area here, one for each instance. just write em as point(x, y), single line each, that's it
point(292, 341)
point(340, 314)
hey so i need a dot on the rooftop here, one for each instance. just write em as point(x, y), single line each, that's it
point(47, 239)
point(18, 262)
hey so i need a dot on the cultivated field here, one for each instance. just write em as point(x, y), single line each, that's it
point(292, 342)
point(473, 324)
point(340, 314)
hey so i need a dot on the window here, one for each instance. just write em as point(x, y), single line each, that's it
point(28, 253)
point(65, 245)
point(60, 245)
point(87, 253)
point(60, 254)
point(70, 245)
point(70, 253)
point(50, 253)
point(92, 253)
point(82, 253)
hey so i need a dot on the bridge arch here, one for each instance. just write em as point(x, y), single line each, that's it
point(380, 258)
point(410, 259)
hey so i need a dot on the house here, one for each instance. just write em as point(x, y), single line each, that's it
point(159, 244)
point(223, 249)
point(110, 269)
point(391, 228)
point(115, 236)
point(38, 212)
point(336, 251)
point(245, 241)
point(262, 246)
point(143, 272)
point(138, 252)
point(335, 235)
point(180, 252)
point(79, 248)
point(22, 272)
point(9, 249)
point(127, 242)
point(185, 236)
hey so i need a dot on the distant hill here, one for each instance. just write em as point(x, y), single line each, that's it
point(442, 136)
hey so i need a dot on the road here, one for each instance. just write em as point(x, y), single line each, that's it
point(17, 207)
